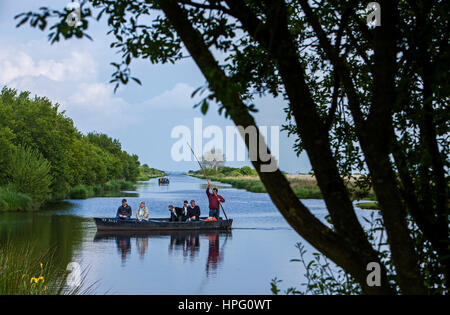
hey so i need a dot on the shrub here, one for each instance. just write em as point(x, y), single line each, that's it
point(126, 185)
point(11, 200)
point(81, 192)
point(29, 173)
point(247, 170)
point(235, 173)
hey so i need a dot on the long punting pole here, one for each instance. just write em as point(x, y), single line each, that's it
point(204, 174)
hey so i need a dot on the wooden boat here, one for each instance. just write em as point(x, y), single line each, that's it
point(156, 224)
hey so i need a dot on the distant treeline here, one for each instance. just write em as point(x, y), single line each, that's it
point(149, 172)
point(43, 156)
point(226, 171)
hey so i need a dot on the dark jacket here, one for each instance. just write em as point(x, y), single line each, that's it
point(214, 200)
point(126, 211)
point(173, 217)
point(177, 214)
point(194, 212)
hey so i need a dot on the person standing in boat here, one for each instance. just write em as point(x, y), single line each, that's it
point(142, 212)
point(124, 211)
point(193, 212)
point(214, 202)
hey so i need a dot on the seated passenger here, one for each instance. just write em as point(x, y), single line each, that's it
point(183, 212)
point(142, 212)
point(193, 212)
point(173, 214)
point(124, 211)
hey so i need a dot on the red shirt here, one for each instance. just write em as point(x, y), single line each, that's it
point(213, 202)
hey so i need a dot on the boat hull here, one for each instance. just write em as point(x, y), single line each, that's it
point(112, 224)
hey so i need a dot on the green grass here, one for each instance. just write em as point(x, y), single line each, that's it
point(304, 188)
point(11, 200)
point(368, 205)
point(81, 192)
point(84, 191)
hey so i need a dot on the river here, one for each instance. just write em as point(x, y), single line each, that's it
point(258, 249)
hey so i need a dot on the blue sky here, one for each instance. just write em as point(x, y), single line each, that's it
point(76, 73)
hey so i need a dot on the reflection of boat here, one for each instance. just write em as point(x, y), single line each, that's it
point(186, 243)
point(163, 181)
point(112, 224)
point(114, 235)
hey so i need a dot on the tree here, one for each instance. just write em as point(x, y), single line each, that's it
point(213, 159)
point(370, 99)
point(75, 159)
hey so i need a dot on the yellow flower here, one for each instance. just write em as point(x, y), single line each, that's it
point(41, 265)
point(36, 280)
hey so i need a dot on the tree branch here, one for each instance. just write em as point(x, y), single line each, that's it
point(321, 237)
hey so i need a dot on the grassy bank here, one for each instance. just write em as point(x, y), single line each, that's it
point(304, 185)
point(368, 205)
point(84, 192)
point(11, 200)
point(302, 189)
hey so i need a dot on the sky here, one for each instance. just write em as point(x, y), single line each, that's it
point(76, 74)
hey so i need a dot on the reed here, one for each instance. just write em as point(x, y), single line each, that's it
point(10, 200)
point(24, 271)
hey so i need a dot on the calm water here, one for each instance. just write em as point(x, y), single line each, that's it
point(244, 261)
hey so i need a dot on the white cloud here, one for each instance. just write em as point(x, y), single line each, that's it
point(18, 63)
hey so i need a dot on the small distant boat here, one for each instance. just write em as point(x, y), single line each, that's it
point(163, 181)
point(157, 224)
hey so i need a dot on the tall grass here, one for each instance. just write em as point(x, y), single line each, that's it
point(81, 192)
point(11, 200)
point(84, 191)
point(25, 272)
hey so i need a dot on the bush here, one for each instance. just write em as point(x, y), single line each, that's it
point(235, 173)
point(29, 173)
point(11, 200)
point(126, 185)
point(247, 170)
point(81, 192)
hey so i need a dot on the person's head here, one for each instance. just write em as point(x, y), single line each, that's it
point(142, 204)
point(170, 208)
point(192, 203)
point(124, 202)
point(185, 203)
point(215, 190)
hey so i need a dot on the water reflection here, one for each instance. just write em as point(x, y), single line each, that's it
point(186, 244)
point(123, 246)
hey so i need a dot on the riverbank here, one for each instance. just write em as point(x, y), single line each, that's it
point(304, 185)
point(368, 205)
point(84, 191)
point(146, 173)
point(52, 160)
